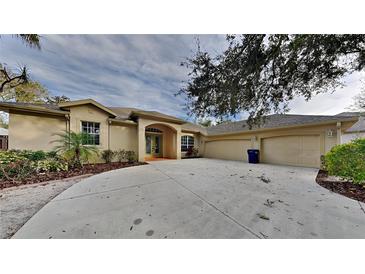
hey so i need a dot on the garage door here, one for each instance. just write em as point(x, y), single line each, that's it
point(227, 149)
point(291, 150)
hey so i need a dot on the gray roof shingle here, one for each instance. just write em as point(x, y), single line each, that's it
point(274, 121)
point(359, 126)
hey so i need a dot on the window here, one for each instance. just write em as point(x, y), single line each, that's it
point(151, 129)
point(93, 130)
point(186, 142)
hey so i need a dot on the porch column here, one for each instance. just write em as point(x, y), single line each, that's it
point(141, 142)
point(178, 144)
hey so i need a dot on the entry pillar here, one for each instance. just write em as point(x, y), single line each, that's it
point(178, 144)
point(141, 142)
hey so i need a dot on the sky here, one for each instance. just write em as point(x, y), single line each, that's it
point(141, 71)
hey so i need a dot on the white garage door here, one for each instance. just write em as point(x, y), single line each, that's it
point(291, 150)
point(227, 149)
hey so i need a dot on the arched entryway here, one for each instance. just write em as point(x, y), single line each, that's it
point(160, 142)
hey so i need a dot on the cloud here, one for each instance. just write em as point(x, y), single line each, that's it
point(140, 71)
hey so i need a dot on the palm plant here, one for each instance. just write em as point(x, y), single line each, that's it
point(31, 40)
point(12, 80)
point(73, 146)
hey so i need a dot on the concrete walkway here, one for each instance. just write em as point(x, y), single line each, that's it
point(199, 198)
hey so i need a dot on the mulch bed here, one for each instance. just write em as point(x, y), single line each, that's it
point(50, 176)
point(348, 189)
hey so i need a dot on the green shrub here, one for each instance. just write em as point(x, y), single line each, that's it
point(35, 155)
point(192, 152)
point(347, 161)
point(28, 154)
point(120, 155)
point(130, 156)
point(7, 157)
point(19, 164)
point(107, 155)
point(17, 170)
point(52, 155)
point(50, 165)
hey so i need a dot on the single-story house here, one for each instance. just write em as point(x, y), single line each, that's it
point(297, 140)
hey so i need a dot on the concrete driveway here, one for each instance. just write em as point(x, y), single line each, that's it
point(199, 198)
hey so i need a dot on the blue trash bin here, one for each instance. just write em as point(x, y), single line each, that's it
point(253, 156)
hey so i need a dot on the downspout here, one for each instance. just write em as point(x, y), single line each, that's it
point(109, 122)
point(68, 126)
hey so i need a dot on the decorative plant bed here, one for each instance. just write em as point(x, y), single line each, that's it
point(49, 176)
point(345, 188)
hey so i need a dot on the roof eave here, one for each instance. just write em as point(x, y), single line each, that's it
point(282, 127)
point(123, 122)
point(158, 118)
point(193, 131)
point(30, 109)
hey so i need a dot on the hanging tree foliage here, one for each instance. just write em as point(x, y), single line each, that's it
point(260, 74)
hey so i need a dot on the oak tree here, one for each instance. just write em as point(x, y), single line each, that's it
point(261, 74)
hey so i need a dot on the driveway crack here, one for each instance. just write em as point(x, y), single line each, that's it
point(362, 209)
point(210, 204)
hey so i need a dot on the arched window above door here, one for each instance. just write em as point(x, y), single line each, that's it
point(152, 129)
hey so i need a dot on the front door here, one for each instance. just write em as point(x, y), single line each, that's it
point(154, 145)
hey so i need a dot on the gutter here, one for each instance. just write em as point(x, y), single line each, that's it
point(158, 118)
point(8, 108)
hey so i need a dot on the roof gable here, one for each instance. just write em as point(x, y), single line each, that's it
point(86, 102)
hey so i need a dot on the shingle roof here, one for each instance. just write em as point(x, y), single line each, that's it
point(194, 128)
point(48, 108)
point(359, 126)
point(350, 113)
point(125, 113)
point(44, 106)
point(274, 121)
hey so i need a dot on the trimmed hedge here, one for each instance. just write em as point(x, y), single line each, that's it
point(347, 161)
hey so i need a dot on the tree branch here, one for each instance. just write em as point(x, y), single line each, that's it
point(23, 78)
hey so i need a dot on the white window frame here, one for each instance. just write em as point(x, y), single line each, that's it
point(189, 142)
point(92, 133)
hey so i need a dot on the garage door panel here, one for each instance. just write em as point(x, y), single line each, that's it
point(292, 150)
point(311, 151)
point(228, 149)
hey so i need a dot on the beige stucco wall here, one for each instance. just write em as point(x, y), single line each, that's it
point(34, 132)
point(90, 113)
point(123, 137)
